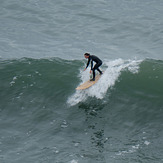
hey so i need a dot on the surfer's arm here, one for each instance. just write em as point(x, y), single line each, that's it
point(88, 63)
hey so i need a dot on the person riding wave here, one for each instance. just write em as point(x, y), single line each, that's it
point(93, 58)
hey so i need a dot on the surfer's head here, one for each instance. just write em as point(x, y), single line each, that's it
point(86, 55)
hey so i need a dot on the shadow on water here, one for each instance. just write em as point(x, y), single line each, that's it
point(95, 127)
point(92, 108)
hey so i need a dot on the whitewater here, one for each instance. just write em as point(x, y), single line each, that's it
point(108, 79)
point(44, 119)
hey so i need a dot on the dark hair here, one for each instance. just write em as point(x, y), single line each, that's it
point(87, 54)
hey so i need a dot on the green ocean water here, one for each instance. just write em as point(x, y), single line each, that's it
point(44, 119)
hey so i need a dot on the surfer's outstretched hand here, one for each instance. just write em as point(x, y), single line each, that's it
point(84, 69)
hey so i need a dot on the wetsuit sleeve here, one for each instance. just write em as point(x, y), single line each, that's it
point(88, 62)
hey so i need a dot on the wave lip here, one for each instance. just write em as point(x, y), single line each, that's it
point(112, 72)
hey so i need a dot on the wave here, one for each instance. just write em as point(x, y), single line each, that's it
point(112, 71)
point(141, 78)
point(54, 81)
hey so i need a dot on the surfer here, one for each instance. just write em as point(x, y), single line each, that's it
point(94, 58)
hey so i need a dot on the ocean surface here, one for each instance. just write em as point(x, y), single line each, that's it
point(44, 119)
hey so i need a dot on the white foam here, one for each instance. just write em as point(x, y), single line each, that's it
point(73, 161)
point(13, 81)
point(108, 79)
point(146, 142)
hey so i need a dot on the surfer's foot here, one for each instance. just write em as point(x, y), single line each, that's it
point(92, 79)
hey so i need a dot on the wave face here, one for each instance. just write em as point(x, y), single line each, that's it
point(43, 117)
point(112, 73)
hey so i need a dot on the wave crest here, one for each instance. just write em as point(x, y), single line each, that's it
point(111, 74)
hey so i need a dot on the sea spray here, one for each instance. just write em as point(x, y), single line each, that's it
point(108, 79)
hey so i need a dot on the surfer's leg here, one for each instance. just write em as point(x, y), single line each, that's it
point(99, 71)
point(94, 68)
point(97, 67)
point(93, 79)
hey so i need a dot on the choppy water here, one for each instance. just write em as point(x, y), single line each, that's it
point(44, 119)
point(67, 29)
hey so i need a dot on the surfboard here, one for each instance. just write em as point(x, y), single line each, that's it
point(88, 83)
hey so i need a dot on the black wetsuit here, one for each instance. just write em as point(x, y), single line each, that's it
point(97, 65)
